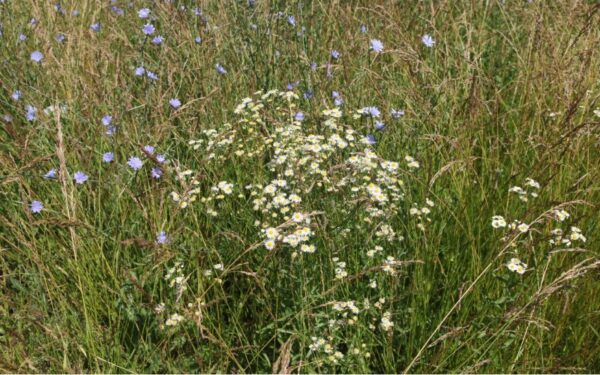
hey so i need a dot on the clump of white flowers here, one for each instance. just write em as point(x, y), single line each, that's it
point(300, 160)
point(524, 232)
point(517, 266)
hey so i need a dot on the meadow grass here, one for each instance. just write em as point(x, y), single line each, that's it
point(412, 276)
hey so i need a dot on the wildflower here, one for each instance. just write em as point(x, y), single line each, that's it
point(308, 94)
point(271, 233)
point(269, 244)
point(96, 27)
point(397, 113)
point(108, 157)
point(16, 95)
point(428, 40)
point(144, 13)
point(36, 56)
point(335, 54)
point(386, 321)
point(370, 139)
point(309, 249)
point(379, 125)
point(156, 173)
point(60, 37)
point(151, 75)
point(161, 158)
point(148, 29)
point(139, 71)
point(371, 111)
point(532, 183)
point(158, 40)
point(135, 163)
point(31, 114)
point(118, 11)
point(376, 45)
point(576, 235)
point(174, 320)
point(363, 29)
point(337, 98)
point(561, 215)
point(149, 149)
point(313, 66)
point(36, 207)
point(515, 265)
point(106, 120)
point(80, 177)
point(299, 116)
point(411, 162)
point(220, 69)
point(161, 238)
point(498, 222)
point(51, 174)
point(523, 228)
point(175, 103)
point(291, 20)
point(198, 40)
point(22, 37)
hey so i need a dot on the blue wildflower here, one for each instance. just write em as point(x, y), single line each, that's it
point(151, 75)
point(149, 149)
point(118, 11)
point(16, 95)
point(80, 177)
point(376, 45)
point(36, 56)
point(220, 69)
point(96, 27)
point(175, 103)
point(148, 29)
point(397, 113)
point(335, 54)
point(36, 207)
point(299, 116)
point(135, 163)
point(372, 111)
point(107, 120)
point(156, 173)
point(51, 174)
point(108, 157)
point(370, 139)
point(144, 13)
point(158, 40)
point(31, 114)
point(139, 71)
point(379, 125)
point(198, 40)
point(291, 20)
point(161, 238)
point(428, 41)
point(60, 37)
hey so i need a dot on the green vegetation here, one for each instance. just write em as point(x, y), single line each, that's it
point(274, 237)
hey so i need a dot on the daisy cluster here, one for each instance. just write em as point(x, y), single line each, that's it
point(555, 219)
point(300, 160)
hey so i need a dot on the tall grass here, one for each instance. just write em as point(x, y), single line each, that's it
point(507, 92)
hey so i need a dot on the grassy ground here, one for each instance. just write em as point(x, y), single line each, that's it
point(507, 92)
